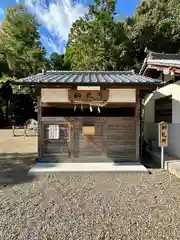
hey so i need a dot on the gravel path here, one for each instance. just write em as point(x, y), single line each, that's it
point(98, 206)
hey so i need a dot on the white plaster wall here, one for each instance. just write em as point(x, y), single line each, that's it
point(122, 95)
point(54, 95)
point(115, 95)
point(151, 128)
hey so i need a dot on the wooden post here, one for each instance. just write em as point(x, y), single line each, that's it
point(137, 123)
point(39, 115)
point(141, 128)
point(25, 131)
point(163, 139)
point(13, 131)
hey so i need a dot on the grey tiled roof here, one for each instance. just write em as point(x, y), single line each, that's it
point(164, 56)
point(87, 78)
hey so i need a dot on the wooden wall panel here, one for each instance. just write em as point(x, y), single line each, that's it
point(115, 138)
point(121, 138)
point(90, 145)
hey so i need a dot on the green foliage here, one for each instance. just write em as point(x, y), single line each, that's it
point(20, 42)
point(155, 25)
point(58, 62)
point(97, 42)
point(5, 79)
point(4, 69)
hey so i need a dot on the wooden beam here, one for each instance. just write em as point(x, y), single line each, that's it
point(104, 87)
point(159, 68)
point(71, 105)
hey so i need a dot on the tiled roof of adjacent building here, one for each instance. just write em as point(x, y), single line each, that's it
point(161, 59)
point(87, 78)
point(163, 56)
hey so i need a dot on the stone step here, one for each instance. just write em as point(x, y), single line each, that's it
point(18, 156)
point(171, 164)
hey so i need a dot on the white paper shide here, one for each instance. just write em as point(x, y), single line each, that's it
point(53, 131)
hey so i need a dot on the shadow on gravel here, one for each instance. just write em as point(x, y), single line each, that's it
point(148, 162)
point(14, 168)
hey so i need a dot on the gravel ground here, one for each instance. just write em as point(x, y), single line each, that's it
point(98, 206)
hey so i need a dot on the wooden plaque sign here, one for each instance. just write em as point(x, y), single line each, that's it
point(90, 88)
point(88, 130)
point(163, 134)
point(88, 96)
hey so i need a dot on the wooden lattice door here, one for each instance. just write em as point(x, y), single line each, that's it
point(57, 138)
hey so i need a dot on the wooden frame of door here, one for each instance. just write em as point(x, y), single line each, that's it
point(56, 123)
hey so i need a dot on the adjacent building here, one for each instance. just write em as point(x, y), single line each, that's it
point(163, 104)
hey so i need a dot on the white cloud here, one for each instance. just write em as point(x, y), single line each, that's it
point(58, 17)
point(17, 1)
point(52, 44)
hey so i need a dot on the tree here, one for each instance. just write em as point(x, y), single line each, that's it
point(97, 42)
point(5, 94)
point(155, 25)
point(20, 42)
point(4, 69)
point(57, 62)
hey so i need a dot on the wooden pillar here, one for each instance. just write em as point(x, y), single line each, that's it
point(141, 128)
point(39, 116)
point(137, 123)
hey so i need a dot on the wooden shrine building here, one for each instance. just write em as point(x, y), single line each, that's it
point(89, 116)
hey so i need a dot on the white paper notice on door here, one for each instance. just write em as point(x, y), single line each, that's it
point(53, 131)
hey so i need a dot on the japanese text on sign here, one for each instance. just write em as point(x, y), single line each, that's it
point(53, 131)
point(76, 95)
point(88, 96)
point(163, 134)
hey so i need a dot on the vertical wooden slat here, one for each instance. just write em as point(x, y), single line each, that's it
point(137, 122)
point(69, 139)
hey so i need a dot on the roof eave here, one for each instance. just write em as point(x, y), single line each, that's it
point(42, 84)
point(158, 63)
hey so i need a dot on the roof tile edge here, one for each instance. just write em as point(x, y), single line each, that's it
point(103, 72)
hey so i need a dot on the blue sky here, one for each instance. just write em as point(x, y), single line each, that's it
point(57, 16)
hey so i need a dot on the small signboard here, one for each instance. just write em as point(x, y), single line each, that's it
point(87, 88)
point(88, 130)
point(163, 134)
point(53, 131)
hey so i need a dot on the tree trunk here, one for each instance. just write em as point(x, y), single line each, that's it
point(7, 110)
